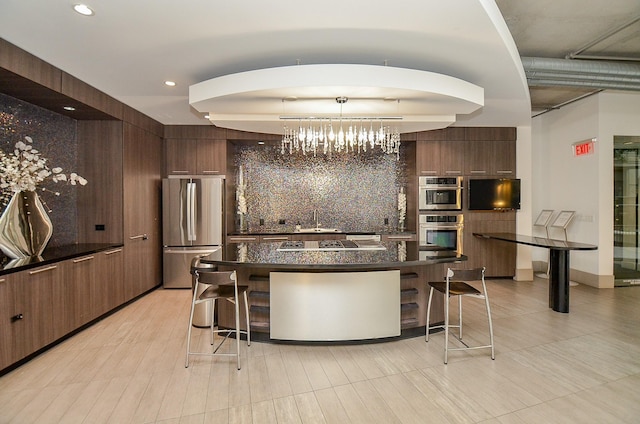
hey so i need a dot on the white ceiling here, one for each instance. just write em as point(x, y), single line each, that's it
point(129, 48)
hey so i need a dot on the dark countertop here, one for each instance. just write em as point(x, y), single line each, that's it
point(289, 232)
point(537, 241)
point(53, 255)
point(266, 255)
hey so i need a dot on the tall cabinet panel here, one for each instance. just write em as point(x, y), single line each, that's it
point(100, 202)
point(142, 160)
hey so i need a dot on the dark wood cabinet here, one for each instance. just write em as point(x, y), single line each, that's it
point(504, 158)
point(107, 292)
point(181, 156)
point(497, 257)
point(41, 305)
point(490, 158)
point(440, 158)
point(195, 157)
point(11, 320)
point(427, 158)
point(142, 211)
point(211, 157)
point(42, 302)
point(79, 277)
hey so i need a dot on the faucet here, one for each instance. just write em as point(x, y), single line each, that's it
point(315, 218)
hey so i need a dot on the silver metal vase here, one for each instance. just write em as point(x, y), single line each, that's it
point(25, 226)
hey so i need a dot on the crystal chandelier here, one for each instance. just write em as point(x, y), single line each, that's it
point(329, 135)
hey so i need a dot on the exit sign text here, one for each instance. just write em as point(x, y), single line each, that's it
point(582, 148)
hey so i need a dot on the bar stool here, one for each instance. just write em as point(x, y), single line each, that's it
point(219, 285)
point(455, 285)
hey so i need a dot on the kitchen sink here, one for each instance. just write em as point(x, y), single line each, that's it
point(318, 230)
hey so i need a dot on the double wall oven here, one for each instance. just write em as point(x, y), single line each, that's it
point(440, 193)
point(440, 234)
point(441, 222)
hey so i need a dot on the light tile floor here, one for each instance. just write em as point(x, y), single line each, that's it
point(581, 367)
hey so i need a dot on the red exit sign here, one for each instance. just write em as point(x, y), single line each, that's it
point(585, 147)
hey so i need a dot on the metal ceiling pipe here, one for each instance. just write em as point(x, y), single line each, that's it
point(581, 73)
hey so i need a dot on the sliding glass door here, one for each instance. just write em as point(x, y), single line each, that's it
point(626, 215)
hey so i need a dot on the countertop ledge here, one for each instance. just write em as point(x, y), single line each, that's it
point(294, 233)
point(53, 255)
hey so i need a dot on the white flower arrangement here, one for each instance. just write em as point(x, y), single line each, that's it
point(242, 252)
point(402, 251)
point(24, 169)
point(240, 197)
point(242, 201)
point(402, 205)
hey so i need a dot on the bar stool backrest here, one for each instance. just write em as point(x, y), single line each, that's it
point(476, 274)
point(216, 278)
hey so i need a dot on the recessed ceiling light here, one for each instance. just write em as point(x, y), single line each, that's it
point(170, 83)
point(207, 116)
point(83, 9)
point(70, 108)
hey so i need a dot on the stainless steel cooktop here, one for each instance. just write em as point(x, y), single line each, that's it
point(330, 245)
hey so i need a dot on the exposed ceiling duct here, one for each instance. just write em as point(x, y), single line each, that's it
point(581, 73)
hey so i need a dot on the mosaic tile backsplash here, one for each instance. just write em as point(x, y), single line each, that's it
point(54, 136)
point(351, 192)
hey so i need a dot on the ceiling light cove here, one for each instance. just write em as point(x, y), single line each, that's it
point(257, 100)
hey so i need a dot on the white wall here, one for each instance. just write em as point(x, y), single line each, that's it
point(524, 149)
point(562, 181)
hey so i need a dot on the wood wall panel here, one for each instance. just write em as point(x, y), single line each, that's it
point(141, 120)
point(194, 131)
point(87, 95)
point(29, 66)
point(451, 133)
point(100, 162)
point(490, 133)
point(142, 160)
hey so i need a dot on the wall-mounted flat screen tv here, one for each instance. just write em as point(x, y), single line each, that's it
point(494, 194)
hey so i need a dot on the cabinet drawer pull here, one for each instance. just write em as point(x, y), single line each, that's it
point(505, 171)
point(87, 258)
point(478, 171)
point(429, 172)
point(111, 252)
point(234, 239)
point(210, 172)
point(179, 172)
point(453, 172)
point(17, 317)
point(275, 238)
point(399, 237)
point(38, 271)
point(139, 236)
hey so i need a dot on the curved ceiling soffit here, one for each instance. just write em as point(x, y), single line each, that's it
point(257, 100)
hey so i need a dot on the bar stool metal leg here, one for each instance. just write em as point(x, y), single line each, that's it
point(426, 336)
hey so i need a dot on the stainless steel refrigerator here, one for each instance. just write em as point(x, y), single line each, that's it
point(192, 213)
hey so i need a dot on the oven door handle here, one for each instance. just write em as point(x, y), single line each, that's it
point(440, 227)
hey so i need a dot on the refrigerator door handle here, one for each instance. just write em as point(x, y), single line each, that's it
point(192, 211)
point(189, 212)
